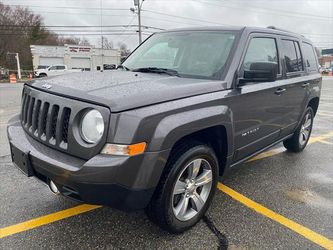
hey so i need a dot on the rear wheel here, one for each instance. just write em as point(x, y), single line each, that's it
point(186, 188)
point(302, 135)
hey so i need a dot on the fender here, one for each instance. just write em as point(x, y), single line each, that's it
point(176, 126)
point(313, 92)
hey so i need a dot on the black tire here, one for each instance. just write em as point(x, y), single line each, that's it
point(293, 143)
point(42, 75)
point(160, 208)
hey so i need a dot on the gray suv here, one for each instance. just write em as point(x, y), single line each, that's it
point(157, 132)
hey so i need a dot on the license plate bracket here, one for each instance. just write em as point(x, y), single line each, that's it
point(22, 160)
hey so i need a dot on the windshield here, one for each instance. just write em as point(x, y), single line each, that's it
point(198, 54)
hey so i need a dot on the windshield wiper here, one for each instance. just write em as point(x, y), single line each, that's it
point(120, 66)
point(170, 72)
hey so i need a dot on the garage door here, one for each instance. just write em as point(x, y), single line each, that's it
point(80, 63)
point(51, 60)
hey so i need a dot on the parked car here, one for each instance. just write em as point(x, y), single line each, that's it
point(109, 66)
point(324, 70)
point(186, 106)
point(54, 70)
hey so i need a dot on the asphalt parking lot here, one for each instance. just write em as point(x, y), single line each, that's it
point(277, 200)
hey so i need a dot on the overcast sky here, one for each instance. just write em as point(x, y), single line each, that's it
point(313, 19)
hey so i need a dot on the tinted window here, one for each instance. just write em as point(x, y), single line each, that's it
point(292, 56)
point(261, 50)
point(310, 57)
point(60, 67)
point(53, 68)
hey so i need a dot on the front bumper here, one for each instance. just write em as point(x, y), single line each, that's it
point(126, 183)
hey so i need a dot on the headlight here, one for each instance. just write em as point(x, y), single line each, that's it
point(92, 126)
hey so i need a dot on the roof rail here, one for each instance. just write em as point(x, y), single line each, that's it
point(274, 28)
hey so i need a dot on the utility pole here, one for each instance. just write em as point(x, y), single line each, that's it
point(139, 6)
point(139, 21)
point(102, 38)
point(17, 62)
point(18, 65)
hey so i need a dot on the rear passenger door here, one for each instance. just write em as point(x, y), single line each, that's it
point(296, 84)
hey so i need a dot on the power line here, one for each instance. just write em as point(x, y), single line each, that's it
point(80, 31)
point(82, 26)
point(188, 18)
point(78, 34)
point(202, 1)
point(265, 10)
point(128, 26)
point(206, 21)
point(64, 7)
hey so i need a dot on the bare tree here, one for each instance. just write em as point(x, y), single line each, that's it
point(73, 41)
point(19, 28)
point(124, 51)
point(105, 43)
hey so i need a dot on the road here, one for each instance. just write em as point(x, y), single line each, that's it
point(277, 200)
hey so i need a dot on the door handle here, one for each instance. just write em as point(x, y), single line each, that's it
point(279, 91)
point(304, 85)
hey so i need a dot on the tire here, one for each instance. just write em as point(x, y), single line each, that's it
point(301, 136)
point(42, 75)
point(165, 207)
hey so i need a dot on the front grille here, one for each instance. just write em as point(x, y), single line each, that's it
point(47, 122)
point(65, 124)
point(54, 120)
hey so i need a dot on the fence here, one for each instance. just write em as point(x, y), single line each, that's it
point(4, 73)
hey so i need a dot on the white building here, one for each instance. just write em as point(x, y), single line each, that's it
point(74, 56)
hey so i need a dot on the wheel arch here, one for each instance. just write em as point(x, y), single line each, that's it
point(314, 103)
point(215, 137)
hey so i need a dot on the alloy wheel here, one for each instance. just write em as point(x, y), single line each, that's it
point(305, 129)
point(192, 189)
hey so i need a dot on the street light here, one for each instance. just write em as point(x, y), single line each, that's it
point(138, 5)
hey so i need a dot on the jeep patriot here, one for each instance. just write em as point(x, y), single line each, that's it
point(155, 134)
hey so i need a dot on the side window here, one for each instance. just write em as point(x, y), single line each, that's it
point(60, 67)
point(310, 57)
point(261, 49)
point(292, 56)
point(53, 68)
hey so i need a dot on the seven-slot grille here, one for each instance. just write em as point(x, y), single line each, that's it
point(49, 122)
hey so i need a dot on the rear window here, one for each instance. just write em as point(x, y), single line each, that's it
point(310, 57)
point(292, 56)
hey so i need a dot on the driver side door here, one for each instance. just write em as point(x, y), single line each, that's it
point(258, 109)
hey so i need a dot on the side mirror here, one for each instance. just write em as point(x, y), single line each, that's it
point(261, 72)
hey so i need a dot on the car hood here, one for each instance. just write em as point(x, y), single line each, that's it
point(122, 90)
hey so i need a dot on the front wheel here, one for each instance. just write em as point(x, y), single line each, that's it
point(186, 188)
point(300, 138)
